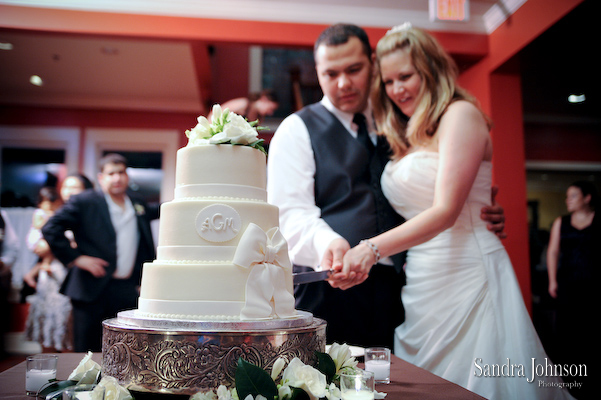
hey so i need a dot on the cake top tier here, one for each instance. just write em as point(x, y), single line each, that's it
point(224, 158)
point(224, 170)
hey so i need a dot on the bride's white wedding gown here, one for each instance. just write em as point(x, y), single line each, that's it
point(465, 316)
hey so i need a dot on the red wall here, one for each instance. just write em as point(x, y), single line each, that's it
point(230, 73)
point(38, 116)
point(562, 142)
point(496, 82)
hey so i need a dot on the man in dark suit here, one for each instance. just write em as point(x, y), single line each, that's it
point(113, 237)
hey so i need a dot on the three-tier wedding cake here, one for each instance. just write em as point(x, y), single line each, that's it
point(221, 286)
point(220, 253)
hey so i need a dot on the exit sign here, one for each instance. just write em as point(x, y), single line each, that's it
point(449, 10)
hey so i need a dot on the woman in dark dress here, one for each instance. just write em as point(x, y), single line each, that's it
point(573, 262)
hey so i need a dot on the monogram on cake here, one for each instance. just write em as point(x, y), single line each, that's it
point(220, 254)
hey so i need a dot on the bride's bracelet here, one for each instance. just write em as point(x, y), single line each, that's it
point(373, 248)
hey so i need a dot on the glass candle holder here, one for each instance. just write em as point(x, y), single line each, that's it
point(84, 392)
point(377, 360)
point(40, 369)
point(357, 385)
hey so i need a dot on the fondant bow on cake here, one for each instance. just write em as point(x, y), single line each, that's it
point(266, 253)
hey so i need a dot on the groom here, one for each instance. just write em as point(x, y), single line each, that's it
point(325, 178)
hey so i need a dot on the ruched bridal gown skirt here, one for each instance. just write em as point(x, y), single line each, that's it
point(465, 318)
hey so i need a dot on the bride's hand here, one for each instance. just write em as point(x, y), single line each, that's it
point(356, 265)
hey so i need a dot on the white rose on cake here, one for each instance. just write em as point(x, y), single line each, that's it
point(236, 131)
point(225, 127)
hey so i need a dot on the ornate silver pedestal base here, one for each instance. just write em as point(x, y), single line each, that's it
point(186, 357)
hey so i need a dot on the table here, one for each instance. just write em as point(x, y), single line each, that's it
point(407, 381)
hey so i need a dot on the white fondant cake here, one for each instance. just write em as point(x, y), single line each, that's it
point(220, 254)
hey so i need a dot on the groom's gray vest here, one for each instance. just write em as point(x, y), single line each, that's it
point(351, 202)
point(354, 206)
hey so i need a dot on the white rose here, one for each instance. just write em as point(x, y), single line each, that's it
point(216, 113)
point(259, 397)
point(236, 131)
point(305, 377)
point(86, 372)
point(210, 395)
point(284, 392)
point(223, 393)
point(333, 392)
point(342, 356)
point(112, 389)
point(200, 134)
point(278, 365)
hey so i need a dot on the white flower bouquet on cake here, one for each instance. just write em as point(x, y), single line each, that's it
point(225, 127)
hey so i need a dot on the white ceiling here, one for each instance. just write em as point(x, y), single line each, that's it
point(81, 71)
point(485, 15)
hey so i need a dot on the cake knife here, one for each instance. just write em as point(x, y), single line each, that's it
point(313, 276)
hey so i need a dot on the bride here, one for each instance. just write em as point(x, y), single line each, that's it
point(465, 316)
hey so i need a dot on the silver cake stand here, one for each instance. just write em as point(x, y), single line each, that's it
point(183, 357)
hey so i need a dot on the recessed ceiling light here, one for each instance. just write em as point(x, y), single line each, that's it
point(36, 80)
point(109, 50)
point(576, 98)
point(6, 46)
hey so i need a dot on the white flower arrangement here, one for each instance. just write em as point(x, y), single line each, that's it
point(87, 372)
point(288, 382)
point(225, 127)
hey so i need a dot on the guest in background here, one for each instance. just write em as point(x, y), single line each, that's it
point(256, 106)
point(50, 311)
point(48, 202)
point(113, 236)
point(573, 262)
point(9, 249)
point(74, 184)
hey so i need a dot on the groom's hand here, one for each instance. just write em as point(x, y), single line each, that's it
point(494, 215)
point(332, 258)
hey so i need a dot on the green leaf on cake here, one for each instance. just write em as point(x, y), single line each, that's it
point(258, 145)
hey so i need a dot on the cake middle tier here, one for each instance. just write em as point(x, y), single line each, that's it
point(205, 230)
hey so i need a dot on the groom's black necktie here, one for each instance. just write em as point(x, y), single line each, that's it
point(375, 169)
point(362, 133)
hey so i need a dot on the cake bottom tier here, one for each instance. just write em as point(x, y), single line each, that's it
point(184, 362)
point(185, 290)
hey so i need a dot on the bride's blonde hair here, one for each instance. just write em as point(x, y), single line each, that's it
point(438, 90)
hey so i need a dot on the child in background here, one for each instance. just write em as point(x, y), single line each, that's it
point(49, 311)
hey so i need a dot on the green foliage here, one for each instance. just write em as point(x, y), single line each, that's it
point(254, 380)
point(258, 144)
point(326, 365)
point(54, 390)
point(299, 394)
